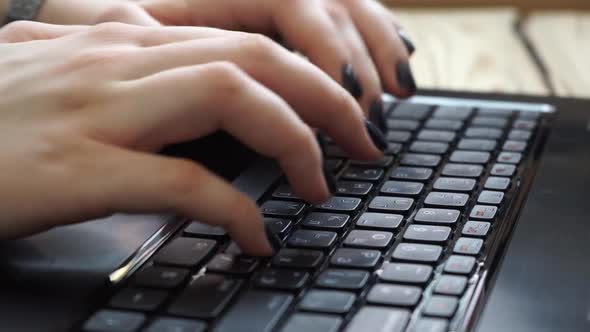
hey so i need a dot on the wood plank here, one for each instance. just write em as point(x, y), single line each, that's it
point(562, 41)
point(471, 50)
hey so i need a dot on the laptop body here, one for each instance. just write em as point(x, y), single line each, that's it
point(532, 276)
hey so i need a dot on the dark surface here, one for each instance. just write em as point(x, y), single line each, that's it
point(543, 285)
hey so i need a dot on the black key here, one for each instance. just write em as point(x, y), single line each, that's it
point(497, 183)
point(441, 306)
point(362, 173)
point(524, 124)
point(437, 198)
point(514, 146)
point(198, 229)
point(279, 226)
point(436, 135)
point(258, 311)
point(327, 301)
point(368, 239)
point(411, 173)
point(477, 144)
point(383, 221)
point(490, 197)
point(450, 285)
point(503, 170)
point(391, 204)
point(510, 157)
point(437, 216)
point(371, 318)
point(284, 191)
point(394, 295)
point(398, 124)
point(431, 325)
point(312, 239)
point(496, 112)
point(417, 252)
point(298, 258)
point(289, 280)
point(393, 148)
point(398, 136)
point(470, 157)
point(353, 188)
point(468, 246)
point(282, 208)
point(520, 135)
point(464, 170)
point(454, 184)
point(444, 124)
point(340, 204)
point(185, 251)
point(205, 297)
point(312, 323)
point(453, 112)
point(333, 164)
point(382, 163)
point(411, 111)
point(478, 132)
point(425, 233)
point(334, 151)
point(406, 273)
point(416, 159)
point(138, 299)
point(476, 228)
point(355, 258)
point(429, 147)
point(114, 321)
point(485, 212)
point(326, 221)
point(343, 279)
point(169, 324)
point(405, 188)
point(459, 264)
point(160, 276)
point(232, 264)
point(489, 121)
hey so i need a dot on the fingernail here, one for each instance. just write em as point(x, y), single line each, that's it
point(407, 41)
point(376, 135)
point(273, 239)
point(351, 82)
point(376, 115)
point(330, 179)
point(405, 77)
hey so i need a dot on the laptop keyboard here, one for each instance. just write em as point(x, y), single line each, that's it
point(400, 247)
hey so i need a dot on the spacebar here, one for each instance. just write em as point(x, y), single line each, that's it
point(256, 311)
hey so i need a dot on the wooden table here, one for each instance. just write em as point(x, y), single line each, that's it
point(497, 50)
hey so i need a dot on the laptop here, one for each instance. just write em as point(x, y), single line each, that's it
point(477, 219)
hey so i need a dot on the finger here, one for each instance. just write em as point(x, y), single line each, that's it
point(362, 60)
point(313, 33)
point(387, 48)
point(320, 101)
point(23, 31)
point(189, 102)
point(150, 183)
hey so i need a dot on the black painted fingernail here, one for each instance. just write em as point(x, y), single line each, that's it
point(407, 41)
point(376, 135)
point(330, 179)
point(405, 78)
point(377, 116)
point(273, 239)
point(351, 82)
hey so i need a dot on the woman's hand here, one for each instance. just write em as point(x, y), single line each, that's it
point(357, 42)
point(82, 109)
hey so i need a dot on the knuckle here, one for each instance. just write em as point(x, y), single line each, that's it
point(338, 12)
point(260, 47)
point(302, 139)
point(228, 79)
point(179, 183)
point(119, 12)
point(17, 31)
point(112, 32)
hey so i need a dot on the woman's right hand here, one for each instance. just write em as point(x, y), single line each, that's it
point(84, 109)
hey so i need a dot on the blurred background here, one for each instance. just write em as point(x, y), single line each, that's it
point(539, 47)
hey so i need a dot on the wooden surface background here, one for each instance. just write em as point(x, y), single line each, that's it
point(485, 49)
